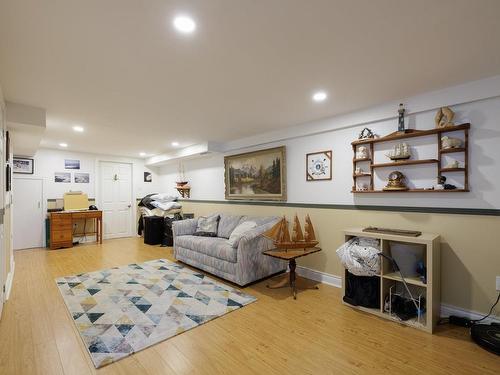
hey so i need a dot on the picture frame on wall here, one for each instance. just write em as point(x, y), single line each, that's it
point(23, 165)
point(8, 179)
point(7, 146)
point(82, 178)
point(257, 175)
point(319, 166)
point(71, 164)
point(148, 177)
point(62, 177)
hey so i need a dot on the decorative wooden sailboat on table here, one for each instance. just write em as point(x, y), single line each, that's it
point(281, 236)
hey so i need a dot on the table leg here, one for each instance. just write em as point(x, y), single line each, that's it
point(100, 230)
point(293, 278)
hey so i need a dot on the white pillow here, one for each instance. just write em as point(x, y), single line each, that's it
point(239, 231)
point(163, 197)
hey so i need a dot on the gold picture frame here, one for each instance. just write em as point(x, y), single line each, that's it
point(257, 175)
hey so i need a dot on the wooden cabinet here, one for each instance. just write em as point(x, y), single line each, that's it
point(61, 234)
point(61, 227)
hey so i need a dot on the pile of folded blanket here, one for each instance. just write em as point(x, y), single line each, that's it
point(158, 204)
point(163, 205)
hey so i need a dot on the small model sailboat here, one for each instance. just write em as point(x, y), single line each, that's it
point(400, 151)
point(281, 236)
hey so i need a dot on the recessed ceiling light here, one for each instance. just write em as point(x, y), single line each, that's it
point(78, 128)
point(142, 154)
point(184, 24)
point(63, 145)
point(319, 96)
point(175, 144)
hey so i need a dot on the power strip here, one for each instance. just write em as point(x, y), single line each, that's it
point(460, 321)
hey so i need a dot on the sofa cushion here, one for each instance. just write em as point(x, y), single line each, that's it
point(207, 226)
point(227, 223)
point(212, 246)
point(239, 231)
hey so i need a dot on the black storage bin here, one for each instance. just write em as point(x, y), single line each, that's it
point(153, 230)
point(362, 290)
point(168, 236)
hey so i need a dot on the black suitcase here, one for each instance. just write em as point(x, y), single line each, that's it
point(153, 230)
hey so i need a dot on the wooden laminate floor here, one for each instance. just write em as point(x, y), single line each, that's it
point(315, 334)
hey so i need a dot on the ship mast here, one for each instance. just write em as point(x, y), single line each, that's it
point(297, 230)
point(309, 230)
point(285, 234)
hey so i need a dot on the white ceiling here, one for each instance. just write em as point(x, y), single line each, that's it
point(118, 68)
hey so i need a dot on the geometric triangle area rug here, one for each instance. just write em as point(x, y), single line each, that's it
point(122, 310)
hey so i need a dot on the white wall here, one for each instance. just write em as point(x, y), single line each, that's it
point(206, 175)
point(48, 161)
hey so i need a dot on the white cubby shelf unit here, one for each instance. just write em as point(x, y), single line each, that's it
point(431, 290)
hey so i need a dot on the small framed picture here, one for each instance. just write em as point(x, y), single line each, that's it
point(64, 177)
point(82, 178)
point(319, 166)
point(71, 164)
point(23, 165)
point(148, 177)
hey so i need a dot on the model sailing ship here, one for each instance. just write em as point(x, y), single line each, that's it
point(281, 236)
point(401, 151)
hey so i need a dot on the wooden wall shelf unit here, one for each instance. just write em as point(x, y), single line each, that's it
point(410, 191)
point(413, 134)
point(431, 289)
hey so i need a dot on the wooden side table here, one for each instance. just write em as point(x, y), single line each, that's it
point(290, 256)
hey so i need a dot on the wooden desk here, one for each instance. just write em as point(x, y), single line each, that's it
point(61, 227)
point(290, 256)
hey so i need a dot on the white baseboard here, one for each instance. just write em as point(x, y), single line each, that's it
point(8, 282)
point(336, 281)
point(447, 310)
point(322, 277)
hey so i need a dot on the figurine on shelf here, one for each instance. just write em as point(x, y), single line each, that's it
point(448, 142)
point(362, 152)
point(181, 184)
point(401, 118)
point(453, 164)
point(442, 185)
point(444, 117)
point(361, 186)
point(181, 178)
point(396, 182)
point(401, 151)
point(366, 134)
point(358, 171)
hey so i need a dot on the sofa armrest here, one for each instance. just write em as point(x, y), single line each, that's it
point(252, 264)
point(184, 227)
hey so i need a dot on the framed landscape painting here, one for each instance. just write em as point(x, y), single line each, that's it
point(258, 175)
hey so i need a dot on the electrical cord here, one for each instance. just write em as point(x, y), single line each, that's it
point(397, 269)
point(474, 321)
point(466, 322)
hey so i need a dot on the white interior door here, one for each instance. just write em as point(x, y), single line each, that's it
point(27, 208)
point(116, 199)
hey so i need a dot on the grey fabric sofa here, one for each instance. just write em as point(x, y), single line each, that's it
point(242, 263)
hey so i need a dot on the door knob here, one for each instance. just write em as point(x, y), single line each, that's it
point(129, 206)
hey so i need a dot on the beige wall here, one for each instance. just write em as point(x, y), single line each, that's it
point(470, 250)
